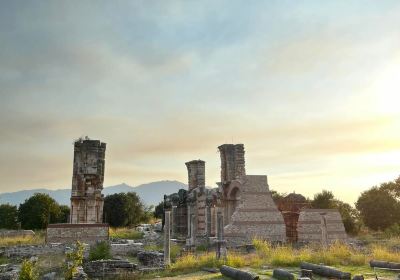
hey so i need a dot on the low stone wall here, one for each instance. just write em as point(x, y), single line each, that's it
point(129, 249)
point(28, 251)
point(16, 233)
point(109, 269)
point(151, 258)
point(70, 233)
point(315, 225)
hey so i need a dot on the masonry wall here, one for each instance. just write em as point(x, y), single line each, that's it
point(70, 233)
point(232, 161)
point(314, 224)
point(87, 181)
point(256, 215)
point(196, 174)
point(16, 233)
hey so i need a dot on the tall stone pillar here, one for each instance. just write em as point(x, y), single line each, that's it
point(193, 222)
point(167, 239)
point(196, 174)
point(324, 234)
point(189, 213)
point(208, 220)
point(221, 243)
point(173, 221)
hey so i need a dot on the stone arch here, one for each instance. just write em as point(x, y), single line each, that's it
point(232, 201)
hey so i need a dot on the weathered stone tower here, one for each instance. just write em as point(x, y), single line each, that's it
point(87, 182)
point(246, 201)
point(232, 162)
point(196, 174)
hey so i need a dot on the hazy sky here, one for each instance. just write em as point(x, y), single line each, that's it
point(310, 87)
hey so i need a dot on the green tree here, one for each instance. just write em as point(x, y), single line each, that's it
point(64, 214)
point(324, 200)
point(378, 208)
point(350, 217)
point(38, 211)
point(159, 210)
point(124, 209)
point(8, 216)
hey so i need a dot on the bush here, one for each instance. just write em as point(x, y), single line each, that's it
point(393, 230)
point(28, 271)
point(100, 251)
point(73, 261)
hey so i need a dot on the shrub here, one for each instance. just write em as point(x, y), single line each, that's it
point(28, 271)
point(3, 260)
point(100, 251)
point(73, 261)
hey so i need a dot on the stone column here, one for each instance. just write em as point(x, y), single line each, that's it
point(193, 227)
point(324, 234)
point(167, 232)
point(221, 243)
point(189, 230)
point(173, 221)
point(208, 221)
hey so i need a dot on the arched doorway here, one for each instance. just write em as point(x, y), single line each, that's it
point(233, 202)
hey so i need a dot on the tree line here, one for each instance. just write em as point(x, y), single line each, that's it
point(39, 210)
point(377, 208)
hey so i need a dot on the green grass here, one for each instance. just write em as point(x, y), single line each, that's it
point(175, 250)
point(3, 260)
point(125, 233)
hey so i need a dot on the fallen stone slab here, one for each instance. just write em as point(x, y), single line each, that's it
point(282, 274)
point(383, 264)
point(325, 271)
point(237, 274)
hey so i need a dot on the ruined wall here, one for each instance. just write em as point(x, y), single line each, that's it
point(256, 214)
point(16, 233)
point(320, 225)
point(69, 233)
point(196, 174)
point(87, 181)
point(232, 162)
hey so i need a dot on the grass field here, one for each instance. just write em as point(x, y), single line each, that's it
point(267, 257)
point(125, 233)
point(38, 238)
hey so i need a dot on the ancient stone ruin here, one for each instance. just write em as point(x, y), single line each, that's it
point(86, 218)
point(87, 182)
point(320, 225)
point(247, 207)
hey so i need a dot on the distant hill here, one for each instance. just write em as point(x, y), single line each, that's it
point(151, 193)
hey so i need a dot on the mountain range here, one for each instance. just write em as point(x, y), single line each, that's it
point(151, 193)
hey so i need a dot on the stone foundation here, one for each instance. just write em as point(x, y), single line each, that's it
point(16, 233)
point(256, 215)
point(70, 233)
point(110, 269)
point(320, 225)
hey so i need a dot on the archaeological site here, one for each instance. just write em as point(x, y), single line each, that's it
point(247, 207)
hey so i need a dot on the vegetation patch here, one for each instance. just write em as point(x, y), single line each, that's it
point(100, 251)
point(125, 233)
point(37, 239)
